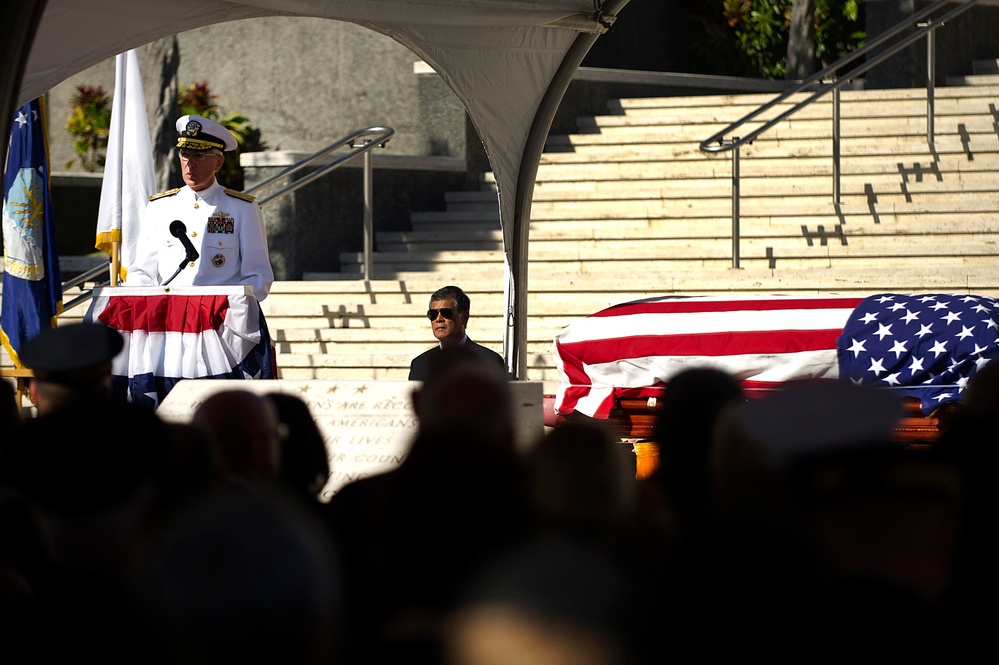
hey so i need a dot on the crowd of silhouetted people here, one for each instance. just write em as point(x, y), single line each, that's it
point(790, 526)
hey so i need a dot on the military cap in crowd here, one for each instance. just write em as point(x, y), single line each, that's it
point(199, 133)
point(73, 354)
point(834, 438)
point(822, 418)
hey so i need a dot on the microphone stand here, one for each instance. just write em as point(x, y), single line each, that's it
point(187, 259)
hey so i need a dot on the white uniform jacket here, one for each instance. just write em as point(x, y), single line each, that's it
point(225, 226)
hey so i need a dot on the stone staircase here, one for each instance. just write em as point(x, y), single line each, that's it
point(629, 207)
point(983, 72)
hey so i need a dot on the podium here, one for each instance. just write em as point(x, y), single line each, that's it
point(185, 332)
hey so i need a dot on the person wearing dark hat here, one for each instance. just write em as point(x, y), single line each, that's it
point(224, 227)
point(70, 363)
point(881, 518)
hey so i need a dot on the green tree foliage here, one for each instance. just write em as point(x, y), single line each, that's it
point(198, 99)
point(89, 123)
point(750, 37)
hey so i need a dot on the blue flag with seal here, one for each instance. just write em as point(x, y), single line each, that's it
point(32, 281)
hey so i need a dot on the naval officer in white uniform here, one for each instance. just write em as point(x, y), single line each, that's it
point(224, 226)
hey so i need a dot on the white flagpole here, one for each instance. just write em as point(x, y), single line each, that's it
point(129, 177)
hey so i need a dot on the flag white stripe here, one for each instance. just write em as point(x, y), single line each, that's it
point(175, 355)
point(687, 323)
point(645, 371)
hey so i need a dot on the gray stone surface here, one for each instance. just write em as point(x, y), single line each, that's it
point(303, 82)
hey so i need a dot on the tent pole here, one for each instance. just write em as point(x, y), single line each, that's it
point(114, 278)
point(515, 344)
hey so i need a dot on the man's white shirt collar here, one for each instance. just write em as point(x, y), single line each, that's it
point(463, 340)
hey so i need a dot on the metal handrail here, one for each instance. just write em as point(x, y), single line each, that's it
point(820, 85)
point(81, 279)
point(362, 142)
point(358, 140)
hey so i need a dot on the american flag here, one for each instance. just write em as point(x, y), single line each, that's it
point(923, 346)
point(631, 350)
point(926, 346)
point(183, 333)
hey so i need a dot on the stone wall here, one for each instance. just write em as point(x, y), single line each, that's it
point(974, 35)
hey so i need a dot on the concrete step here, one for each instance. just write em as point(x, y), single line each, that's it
point(662, 218)
point(395, 355)
point(309, 367)
point(749, 257)
point(570, 244)
point(890, 126)
point(619, 286)
point(550, 236)
point(652, 144)
point(362, 321)
point(471, 240)
point(484, 200)
point(877, 98)
point(990, 80)
point(869, 118)
point(480, 196)
point(563, 248)
point(768, 211)
point(958, 152)
point(479, 216)
point(593, 186)
point(604, 250)
point(722, 278)
point(985, 66)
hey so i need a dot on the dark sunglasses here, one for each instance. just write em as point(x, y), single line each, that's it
point(446, 312)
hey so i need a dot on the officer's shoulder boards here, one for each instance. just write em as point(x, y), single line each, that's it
point(169, 192)
point(239, 195)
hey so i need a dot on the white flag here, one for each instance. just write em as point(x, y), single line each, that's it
point(129, 178)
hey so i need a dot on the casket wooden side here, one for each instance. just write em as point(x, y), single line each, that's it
point(634, 420)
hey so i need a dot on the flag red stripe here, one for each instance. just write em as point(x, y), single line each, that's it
point(683, 306)
point(192, 314)
point(703, 344)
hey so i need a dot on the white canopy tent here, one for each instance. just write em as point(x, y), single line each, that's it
point(508, 61)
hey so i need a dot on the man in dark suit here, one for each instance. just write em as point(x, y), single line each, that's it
point(448, 314)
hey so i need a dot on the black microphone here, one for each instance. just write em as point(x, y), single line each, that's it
point(179, 231)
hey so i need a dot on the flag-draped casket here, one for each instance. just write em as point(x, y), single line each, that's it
point(925, 347)
point(176, 333)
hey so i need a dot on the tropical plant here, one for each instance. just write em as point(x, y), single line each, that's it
point(89, 123)
point(841, 30)
point(198, 99)
point(750, 37)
